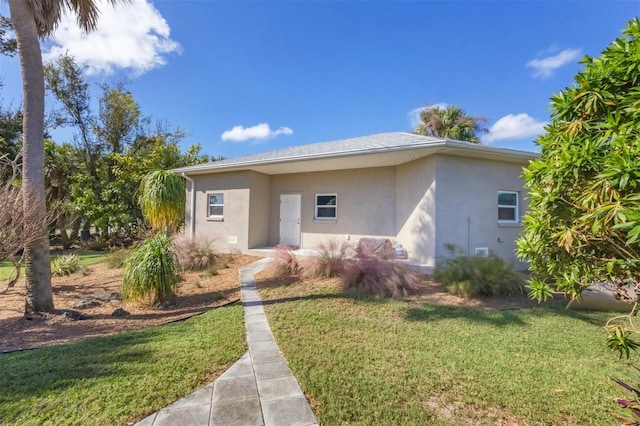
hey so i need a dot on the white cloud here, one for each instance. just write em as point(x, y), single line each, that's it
point(514, 126)
point(414, 114)
point(132, 36)
point(544, 67)
point(259, 131)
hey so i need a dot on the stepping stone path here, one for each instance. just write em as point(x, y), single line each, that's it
point(258, 390)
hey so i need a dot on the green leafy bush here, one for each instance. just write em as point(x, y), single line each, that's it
point(583, 222)
point(195, 254)
point(151, 272)
point(95, 243)
point(116, 258)
point(472, 276)
point(67, 264)
point(384, 278)
point(330, 262)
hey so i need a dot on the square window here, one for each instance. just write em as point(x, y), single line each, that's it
point(507, 207)
point(216, 205)
point(326, 206)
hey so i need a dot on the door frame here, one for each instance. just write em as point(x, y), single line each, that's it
point(299, 214)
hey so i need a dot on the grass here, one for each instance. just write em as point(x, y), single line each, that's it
point(118, 379)
point(365, 360)
point(86, 259)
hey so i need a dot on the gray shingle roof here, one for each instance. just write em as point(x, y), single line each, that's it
point(364, 144)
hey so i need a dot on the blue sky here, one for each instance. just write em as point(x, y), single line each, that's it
point(244, 77)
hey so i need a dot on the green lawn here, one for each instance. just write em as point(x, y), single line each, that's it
point(119, 379)
point(87, 258)
point(363, 360)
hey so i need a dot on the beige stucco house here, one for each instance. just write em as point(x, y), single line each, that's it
point(420, 192)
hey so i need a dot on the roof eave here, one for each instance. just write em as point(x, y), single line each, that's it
point(443, 145)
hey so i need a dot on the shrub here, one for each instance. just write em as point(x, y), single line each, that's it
point(330, 262)
point(67, 264)
point(196, 254)
point(384, 278)
point(629, 410)
point(117, 257)
point(151, 271)
point(472, 276)
point(95, 243)
point(283, 263)
point(210, 272)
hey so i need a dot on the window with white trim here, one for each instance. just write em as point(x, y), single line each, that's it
point(215, 206)
point(326, 206)
point(508, 207)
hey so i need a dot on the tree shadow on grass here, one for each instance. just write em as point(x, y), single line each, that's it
point(501, 318)
point(296, 290)
point(431, 313)
point(597, 318)
point(41, 371)
point(435, 312)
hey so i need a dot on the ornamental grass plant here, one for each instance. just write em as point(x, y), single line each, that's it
point(151, 272)
point(67, 264)
point(330, 261)
point(378, 275)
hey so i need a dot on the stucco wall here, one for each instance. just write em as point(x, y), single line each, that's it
point(467, 205)
point(234, 224)
point(415, 211)
point(423, 205)
point(188, 217)
point(365, 204)
point(259, 210)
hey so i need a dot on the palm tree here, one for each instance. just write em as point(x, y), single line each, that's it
point(450, 122)
point(31, 20)
point(162, 199)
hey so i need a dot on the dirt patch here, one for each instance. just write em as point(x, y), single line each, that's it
point(197, 293)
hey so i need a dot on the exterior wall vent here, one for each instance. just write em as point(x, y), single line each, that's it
point(482, 251)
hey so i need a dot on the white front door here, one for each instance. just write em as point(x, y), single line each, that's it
point(290, 219)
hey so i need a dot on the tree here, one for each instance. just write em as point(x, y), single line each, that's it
point(10, 132)
point(32, 19)
point(584, 190)
point(59, 168)
point(119, 118)
point(151, 270)
point(8, 45)
point(15, 232)
point(450, 122)
point(162, 199)
point(63, 78)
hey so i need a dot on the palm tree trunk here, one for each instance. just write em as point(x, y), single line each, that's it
point(39, 295)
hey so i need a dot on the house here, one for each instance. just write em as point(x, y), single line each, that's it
point(420, 192)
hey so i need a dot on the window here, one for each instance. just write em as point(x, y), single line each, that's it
point(215, 207)
point(326, 206)
point(507, 207)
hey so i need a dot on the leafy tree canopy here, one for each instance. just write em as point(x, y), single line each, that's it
point(8, 43)
point(584, 220)
point(450, 122)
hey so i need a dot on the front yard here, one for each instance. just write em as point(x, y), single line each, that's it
point(431, 359)
point(118, 379)
point(364, 360)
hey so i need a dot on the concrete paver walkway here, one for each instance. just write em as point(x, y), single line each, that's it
point(258, 390)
